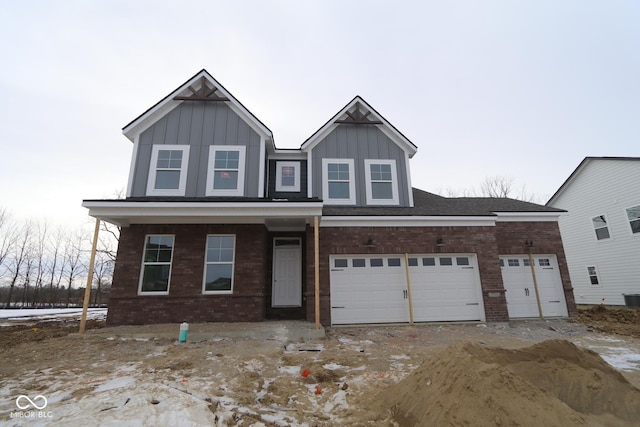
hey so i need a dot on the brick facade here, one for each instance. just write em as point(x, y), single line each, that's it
point(251, 298)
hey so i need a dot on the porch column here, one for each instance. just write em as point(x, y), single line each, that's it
point(316, 253)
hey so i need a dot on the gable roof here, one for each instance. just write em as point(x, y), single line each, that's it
point(351, 113)
point(168, 103)
point(579, 169)
point(429, 204)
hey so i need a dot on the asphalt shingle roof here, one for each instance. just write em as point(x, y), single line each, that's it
point(429, 204)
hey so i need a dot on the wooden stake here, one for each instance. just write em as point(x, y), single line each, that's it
point(316, 253)
point(406, 266)
point(87, 291)
point(535, 283)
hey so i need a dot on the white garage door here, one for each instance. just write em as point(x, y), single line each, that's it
point(521, 292)
point(373, 288)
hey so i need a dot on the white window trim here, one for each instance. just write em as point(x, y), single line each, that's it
point(394, 182)
point(296, 167)
point(325, 182)
point(233, 266)
point(239, 191)
point(153, 168)
point(599, 285)
point(626, 217)
point(143, 263)
point(608, 227)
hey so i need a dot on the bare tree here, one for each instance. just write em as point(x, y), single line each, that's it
point(56, 265)
point(102, 273)
point(73, 262)
point(19, 258)
point(8, 238)
point(40, 253)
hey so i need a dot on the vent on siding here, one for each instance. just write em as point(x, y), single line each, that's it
point(358, 116)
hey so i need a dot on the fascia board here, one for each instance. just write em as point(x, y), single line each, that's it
point(408, 221)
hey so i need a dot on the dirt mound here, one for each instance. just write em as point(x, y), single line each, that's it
point(622, 321)
point(553, 383)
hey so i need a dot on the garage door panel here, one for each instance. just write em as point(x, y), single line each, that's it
point(521, 291)
point(444, 288)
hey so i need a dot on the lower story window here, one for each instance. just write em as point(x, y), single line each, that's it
point(593, 276)
point(156, 264)
point(219, 259)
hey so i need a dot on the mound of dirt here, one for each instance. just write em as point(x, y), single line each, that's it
point(553, 383)
point(621, 321)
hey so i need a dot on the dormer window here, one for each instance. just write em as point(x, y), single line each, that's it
point(382, 182)
point(168, 170)
point(288, 176)
point(338, 185)
point(225, 175)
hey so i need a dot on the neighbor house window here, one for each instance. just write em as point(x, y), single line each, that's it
point(382, 182)
point(593, 275)
point(156, 265)
point(168, 170)
point(219, 258)
point(600, 226)
point(225, 175)
point(288, 176)
point(633, 214)
point(338, 186)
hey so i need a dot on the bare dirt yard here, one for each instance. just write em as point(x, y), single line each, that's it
point(578, 372)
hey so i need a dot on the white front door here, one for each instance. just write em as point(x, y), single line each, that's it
point(287, 272)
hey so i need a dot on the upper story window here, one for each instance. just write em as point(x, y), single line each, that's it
point(633, 214)
point(601, 227)
point(168, 170)
point(593, 275)
point(156, 265)
point(225, 175)
point(288, 176)
point(382, 182)
point(338, 182)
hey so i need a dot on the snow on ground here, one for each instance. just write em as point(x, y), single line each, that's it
point(26, 314)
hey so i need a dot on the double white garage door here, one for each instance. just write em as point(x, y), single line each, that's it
point(518, 279)
point(374, 288)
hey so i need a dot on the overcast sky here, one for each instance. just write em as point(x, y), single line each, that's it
point(524, 89)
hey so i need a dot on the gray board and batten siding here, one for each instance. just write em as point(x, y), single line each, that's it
point(200, 125)
point(359, 142)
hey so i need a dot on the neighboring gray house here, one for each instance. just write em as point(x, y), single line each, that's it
point(220, 225)
point(601, 231)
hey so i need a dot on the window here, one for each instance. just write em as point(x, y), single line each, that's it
point(382, 184)
point(501, 262)
point(446, 261)
point(156, 265)
point(225, 176)
point(376, 262)
point(600, 226)
point(427, 262)
point(593, 276)
point(633, 214)
point(462, 260)
point(168, 170)
point(218, 270)
point(526, 262)
point(340, 263)
point(288, 176)
point(544, 262)
point(393, 262)
point(338, 186)
point(359, 262)
point(413, 262)
point(513, 262)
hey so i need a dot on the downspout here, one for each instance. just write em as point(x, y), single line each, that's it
point(316, 254)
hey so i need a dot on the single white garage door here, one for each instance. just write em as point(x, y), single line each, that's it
point(373, 288)
point(521, 292)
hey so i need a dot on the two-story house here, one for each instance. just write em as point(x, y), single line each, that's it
point(601, 231)
point(220, 225)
